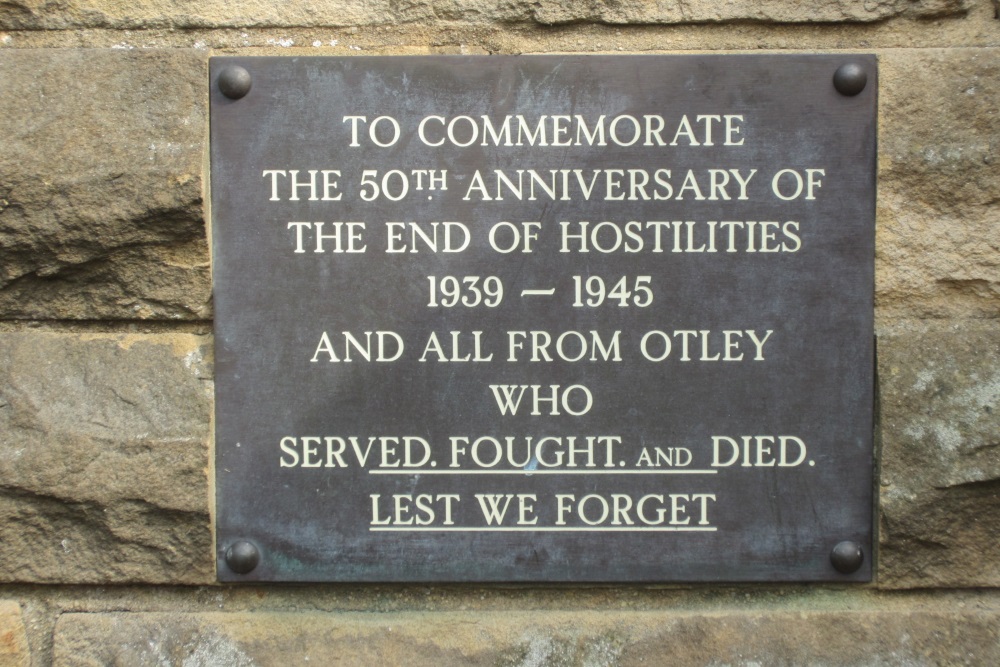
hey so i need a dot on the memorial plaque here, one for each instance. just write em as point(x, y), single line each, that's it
point(560, 318)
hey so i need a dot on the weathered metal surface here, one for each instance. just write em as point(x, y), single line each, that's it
point(707, 418)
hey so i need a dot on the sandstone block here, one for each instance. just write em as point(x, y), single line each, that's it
point(908, 637)
point(101, 184)
point(937, 248)
point(115, 14)
point(14, 651)
point(770, 11)
point(103, 458)
point(940, 420)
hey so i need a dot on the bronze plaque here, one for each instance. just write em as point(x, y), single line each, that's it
point(556, 318)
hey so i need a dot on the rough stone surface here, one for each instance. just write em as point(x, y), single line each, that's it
point(44, 15)
point(940, 499)
point(100, 184)
point(103, 458)
point(978, 28)
point(13, 642)
point(938, 238)
point(908, 637)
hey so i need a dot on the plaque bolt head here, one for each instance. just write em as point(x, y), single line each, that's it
point(235, 82)
point(847, 557)
point(242, 557)
point(850, 79)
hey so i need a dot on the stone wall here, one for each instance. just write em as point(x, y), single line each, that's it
point(106, 538)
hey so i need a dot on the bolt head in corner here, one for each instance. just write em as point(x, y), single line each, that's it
point(242, 557)
point(235, 82)
point(850, 79)
point(847, 557)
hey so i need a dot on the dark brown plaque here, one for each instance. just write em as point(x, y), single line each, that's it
point(544, 318)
